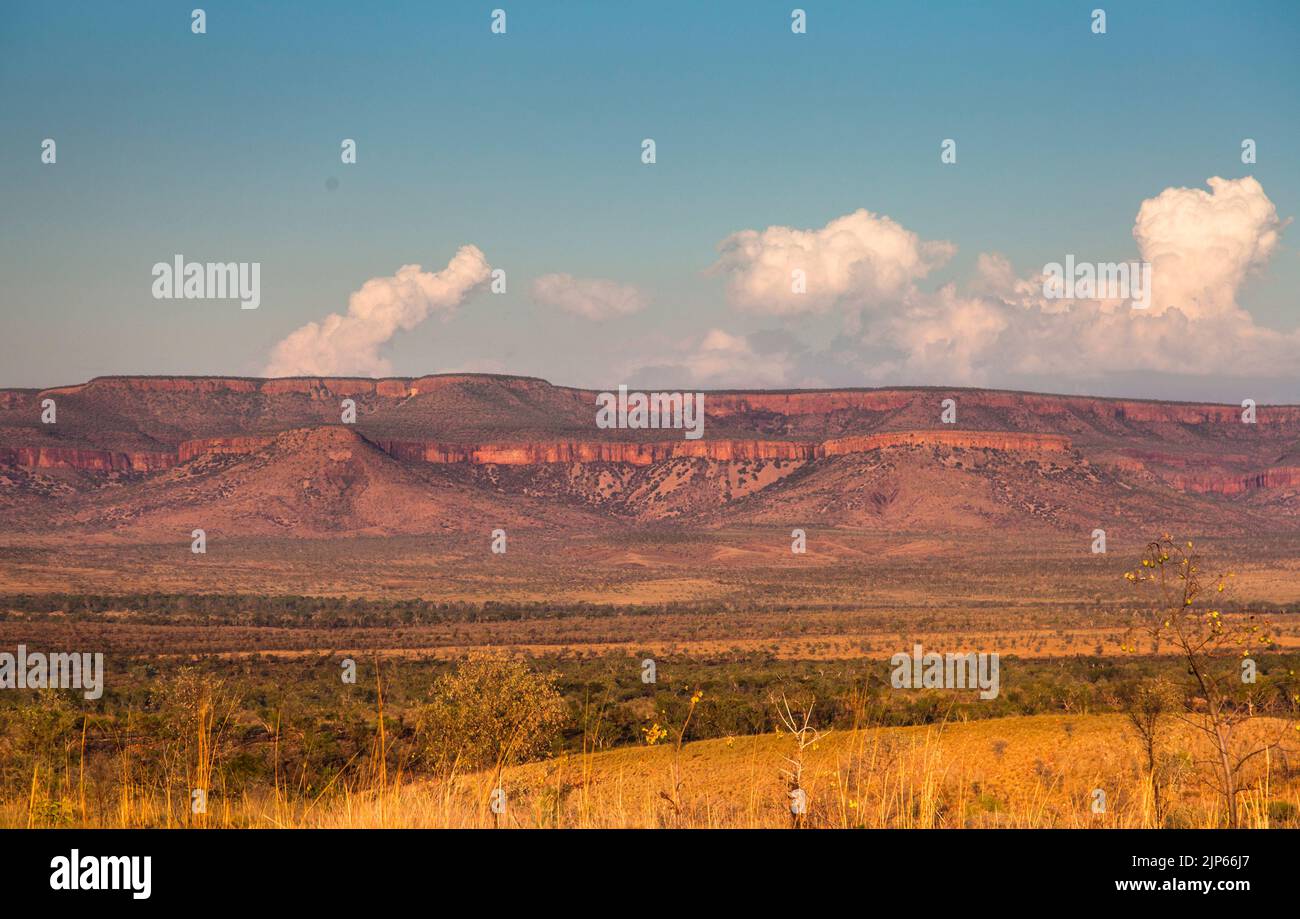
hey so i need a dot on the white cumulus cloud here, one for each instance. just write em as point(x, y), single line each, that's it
point(1202, 244)
point(591, 298)
point(855, 259)
point(999, 329)
point(348, 344)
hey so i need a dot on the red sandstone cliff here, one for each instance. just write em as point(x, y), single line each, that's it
point(1275, 477)
point(636, 454)
point(488, 419)
point(525, 454)
point(87, 460)
point(1006, 441)
point(221, 445)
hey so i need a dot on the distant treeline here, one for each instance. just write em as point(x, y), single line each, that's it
point(290, 611)
point(321, 612)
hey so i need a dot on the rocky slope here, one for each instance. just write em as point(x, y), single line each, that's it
point(139, 454)
point(309, 482)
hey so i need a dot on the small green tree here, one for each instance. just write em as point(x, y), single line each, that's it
point(490, 713)
point(1221, 703)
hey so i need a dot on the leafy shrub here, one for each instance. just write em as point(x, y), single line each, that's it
point(490, 712)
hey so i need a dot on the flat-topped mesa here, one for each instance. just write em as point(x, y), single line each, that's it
point(146, 424)
point(719, 404)
point(1039, 405)
point(391, 388)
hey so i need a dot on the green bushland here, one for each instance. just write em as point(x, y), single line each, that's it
point(296, 718)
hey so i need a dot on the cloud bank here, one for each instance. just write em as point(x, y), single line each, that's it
point(998, 328)
point(591, 298)
point(1202, 247)
point(723, 360)
point(348, 344)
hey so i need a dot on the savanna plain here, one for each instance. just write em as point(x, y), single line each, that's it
point(654, 677)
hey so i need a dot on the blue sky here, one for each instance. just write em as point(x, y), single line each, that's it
point(225, 146)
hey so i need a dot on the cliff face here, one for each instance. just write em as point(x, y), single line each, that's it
point(1275, 477)
point(146, 424)
point(635, 454)
point(1006, 441)
point(647, 454)
point(189, 449)
point(15, 399)
point(529, 454)
point(86, 460)
point(89, 460)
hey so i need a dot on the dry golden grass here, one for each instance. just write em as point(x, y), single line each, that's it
point(1026, 772)
point(1038, 771)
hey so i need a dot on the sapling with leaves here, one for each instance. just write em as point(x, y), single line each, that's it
point(1221, 705)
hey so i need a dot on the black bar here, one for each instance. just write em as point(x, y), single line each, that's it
point(534, 868)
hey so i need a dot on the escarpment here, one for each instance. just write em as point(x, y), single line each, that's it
point(545, 452)
point(1275, 477)
point(145, 425)
point(86, 460)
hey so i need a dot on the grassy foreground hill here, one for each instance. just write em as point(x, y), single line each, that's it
point(1032, 771)
point(1025, 772)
